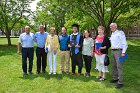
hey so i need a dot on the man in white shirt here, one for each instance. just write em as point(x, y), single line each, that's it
point(119, 47)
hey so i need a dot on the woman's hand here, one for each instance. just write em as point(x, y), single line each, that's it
point(55, 51)
point(103, 47)
point(92, 54)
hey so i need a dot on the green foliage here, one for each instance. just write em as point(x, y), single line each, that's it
point(88, 13)
point(11, 13)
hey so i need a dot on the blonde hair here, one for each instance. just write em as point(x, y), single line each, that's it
point(52, 28)
point(27, 27)
point(101, 27)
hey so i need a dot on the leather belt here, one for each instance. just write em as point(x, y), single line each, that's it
point(116, 49)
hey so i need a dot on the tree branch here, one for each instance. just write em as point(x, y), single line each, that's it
point(2, 30)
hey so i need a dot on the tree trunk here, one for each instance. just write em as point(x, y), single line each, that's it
point(8, 38)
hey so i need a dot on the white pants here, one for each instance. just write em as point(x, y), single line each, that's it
point(52, 61)
point(100, 63)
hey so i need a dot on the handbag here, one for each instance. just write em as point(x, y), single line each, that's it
point(106, 60)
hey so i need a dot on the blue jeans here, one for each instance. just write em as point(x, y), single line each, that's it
point(27, 53)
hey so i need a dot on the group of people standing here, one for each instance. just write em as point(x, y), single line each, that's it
point(76, 46)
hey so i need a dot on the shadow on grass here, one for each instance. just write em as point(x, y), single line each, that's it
point(43, 75)
point(7, 50)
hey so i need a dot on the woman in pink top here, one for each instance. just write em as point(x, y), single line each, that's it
point(102, 45)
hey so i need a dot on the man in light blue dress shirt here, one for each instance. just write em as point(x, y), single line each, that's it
point(26, 39)
point(40, 39)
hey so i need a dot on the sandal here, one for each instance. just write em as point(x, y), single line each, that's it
point(99, 77)
point(102, 79)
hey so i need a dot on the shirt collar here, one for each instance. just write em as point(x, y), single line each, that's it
point(64, 35)
point(117, 30)
point(75, 33)
point(27, 34)
point(42, 32)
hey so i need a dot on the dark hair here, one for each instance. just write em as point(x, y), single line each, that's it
point(88, 32)
point(76, 25)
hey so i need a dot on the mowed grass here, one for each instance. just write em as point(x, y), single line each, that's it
point(13, 81)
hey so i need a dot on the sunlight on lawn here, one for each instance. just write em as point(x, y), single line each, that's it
point(12, 80)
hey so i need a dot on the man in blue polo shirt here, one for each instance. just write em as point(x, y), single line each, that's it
point(40, 39)
point(64, 50)
point(26, 39)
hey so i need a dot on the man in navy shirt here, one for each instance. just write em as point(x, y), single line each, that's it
point(64, 50)
point(40, 39)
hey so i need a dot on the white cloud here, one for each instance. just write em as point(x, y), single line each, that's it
point(33, 5)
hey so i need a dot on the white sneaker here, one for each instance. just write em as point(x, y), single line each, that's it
point(50, 73)
point(54, 73)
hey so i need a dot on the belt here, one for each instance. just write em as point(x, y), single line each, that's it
point(27, 47)
point(64, 50)
point(116, 49)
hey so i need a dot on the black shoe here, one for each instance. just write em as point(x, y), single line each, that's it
point(87, 75)
point(30, 73)
point(43, 72)
point(114, 81)
point(99, 77)
point(37, 72)
point(62, 72)
point(25, 73)
point(119, 86)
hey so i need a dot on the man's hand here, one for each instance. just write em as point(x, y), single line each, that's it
point(18, 52)
point(18, 46)
point(123, 54)
point(77, 46)
point(69, 46)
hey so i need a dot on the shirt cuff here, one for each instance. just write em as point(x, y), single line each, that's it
point(123, 51)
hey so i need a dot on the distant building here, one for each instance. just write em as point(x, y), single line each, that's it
point(13, 33)
point(132, 32)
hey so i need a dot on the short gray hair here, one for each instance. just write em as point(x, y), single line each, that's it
point(41, 26)
point(115, 24)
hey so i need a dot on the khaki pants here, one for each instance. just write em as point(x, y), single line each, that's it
point(65, 57)
point(117, 66)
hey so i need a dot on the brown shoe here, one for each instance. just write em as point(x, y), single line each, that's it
point(67, 72)
point(73, 74)
point(78, 74)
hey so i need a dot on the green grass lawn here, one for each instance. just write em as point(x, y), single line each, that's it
point(13, 81)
